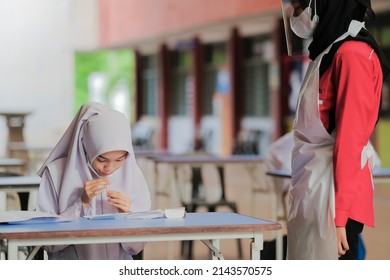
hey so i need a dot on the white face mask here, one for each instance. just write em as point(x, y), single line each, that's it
point(303, 26)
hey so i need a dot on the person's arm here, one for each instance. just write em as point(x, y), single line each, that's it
point(356, 109)
point(47, 201)
point(48, 197)
point(342, 242)
point(356, 112)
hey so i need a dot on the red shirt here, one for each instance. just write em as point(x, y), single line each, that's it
point(351, 90)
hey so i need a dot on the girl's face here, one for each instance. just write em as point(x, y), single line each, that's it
point(107, 163)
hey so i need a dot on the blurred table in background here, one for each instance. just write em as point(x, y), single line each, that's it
point(380, 175)
point(15, 124)
point(27, 185)
point(195, 162)
point(11, 167)
point(11, 164)
point(35, 154)
point(146, 153)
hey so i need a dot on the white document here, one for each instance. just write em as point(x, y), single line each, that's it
point(31, 217)
point(128, 216)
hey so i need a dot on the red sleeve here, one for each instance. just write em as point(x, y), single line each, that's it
point(356, 113)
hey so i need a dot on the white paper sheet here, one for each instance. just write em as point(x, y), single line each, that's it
point(18, 217)
point(138, 215)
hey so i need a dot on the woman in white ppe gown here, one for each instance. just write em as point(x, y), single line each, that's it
point(331, 193)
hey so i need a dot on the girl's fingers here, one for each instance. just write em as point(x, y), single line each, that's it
point(119, 200)
point(95, 187)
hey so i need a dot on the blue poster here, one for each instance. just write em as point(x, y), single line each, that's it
point(223, 82)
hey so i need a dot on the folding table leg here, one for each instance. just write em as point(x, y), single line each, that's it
point(256, 245)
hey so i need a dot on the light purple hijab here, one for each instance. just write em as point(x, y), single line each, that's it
point(95, 130)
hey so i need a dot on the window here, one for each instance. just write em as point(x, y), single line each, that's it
point(180, 82)
point(214, 57)
point(256, 99)
point(149, 85)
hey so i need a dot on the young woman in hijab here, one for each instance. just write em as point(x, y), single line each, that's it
point(331, 193)
point(92, 171)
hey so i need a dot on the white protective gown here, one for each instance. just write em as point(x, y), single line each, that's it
point(310, 226)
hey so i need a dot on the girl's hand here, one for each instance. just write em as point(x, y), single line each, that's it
point(119, 200)
point(92, 188)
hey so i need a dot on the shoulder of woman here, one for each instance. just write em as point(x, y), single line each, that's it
point(52, 174)
point(354, 48)
point(57, 163)
point(56, 167)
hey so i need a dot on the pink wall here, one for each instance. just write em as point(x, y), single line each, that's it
point(137, 20)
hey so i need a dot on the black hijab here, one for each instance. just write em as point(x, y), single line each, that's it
point(335, 17)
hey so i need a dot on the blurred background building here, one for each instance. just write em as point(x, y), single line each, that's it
point(215, 71)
